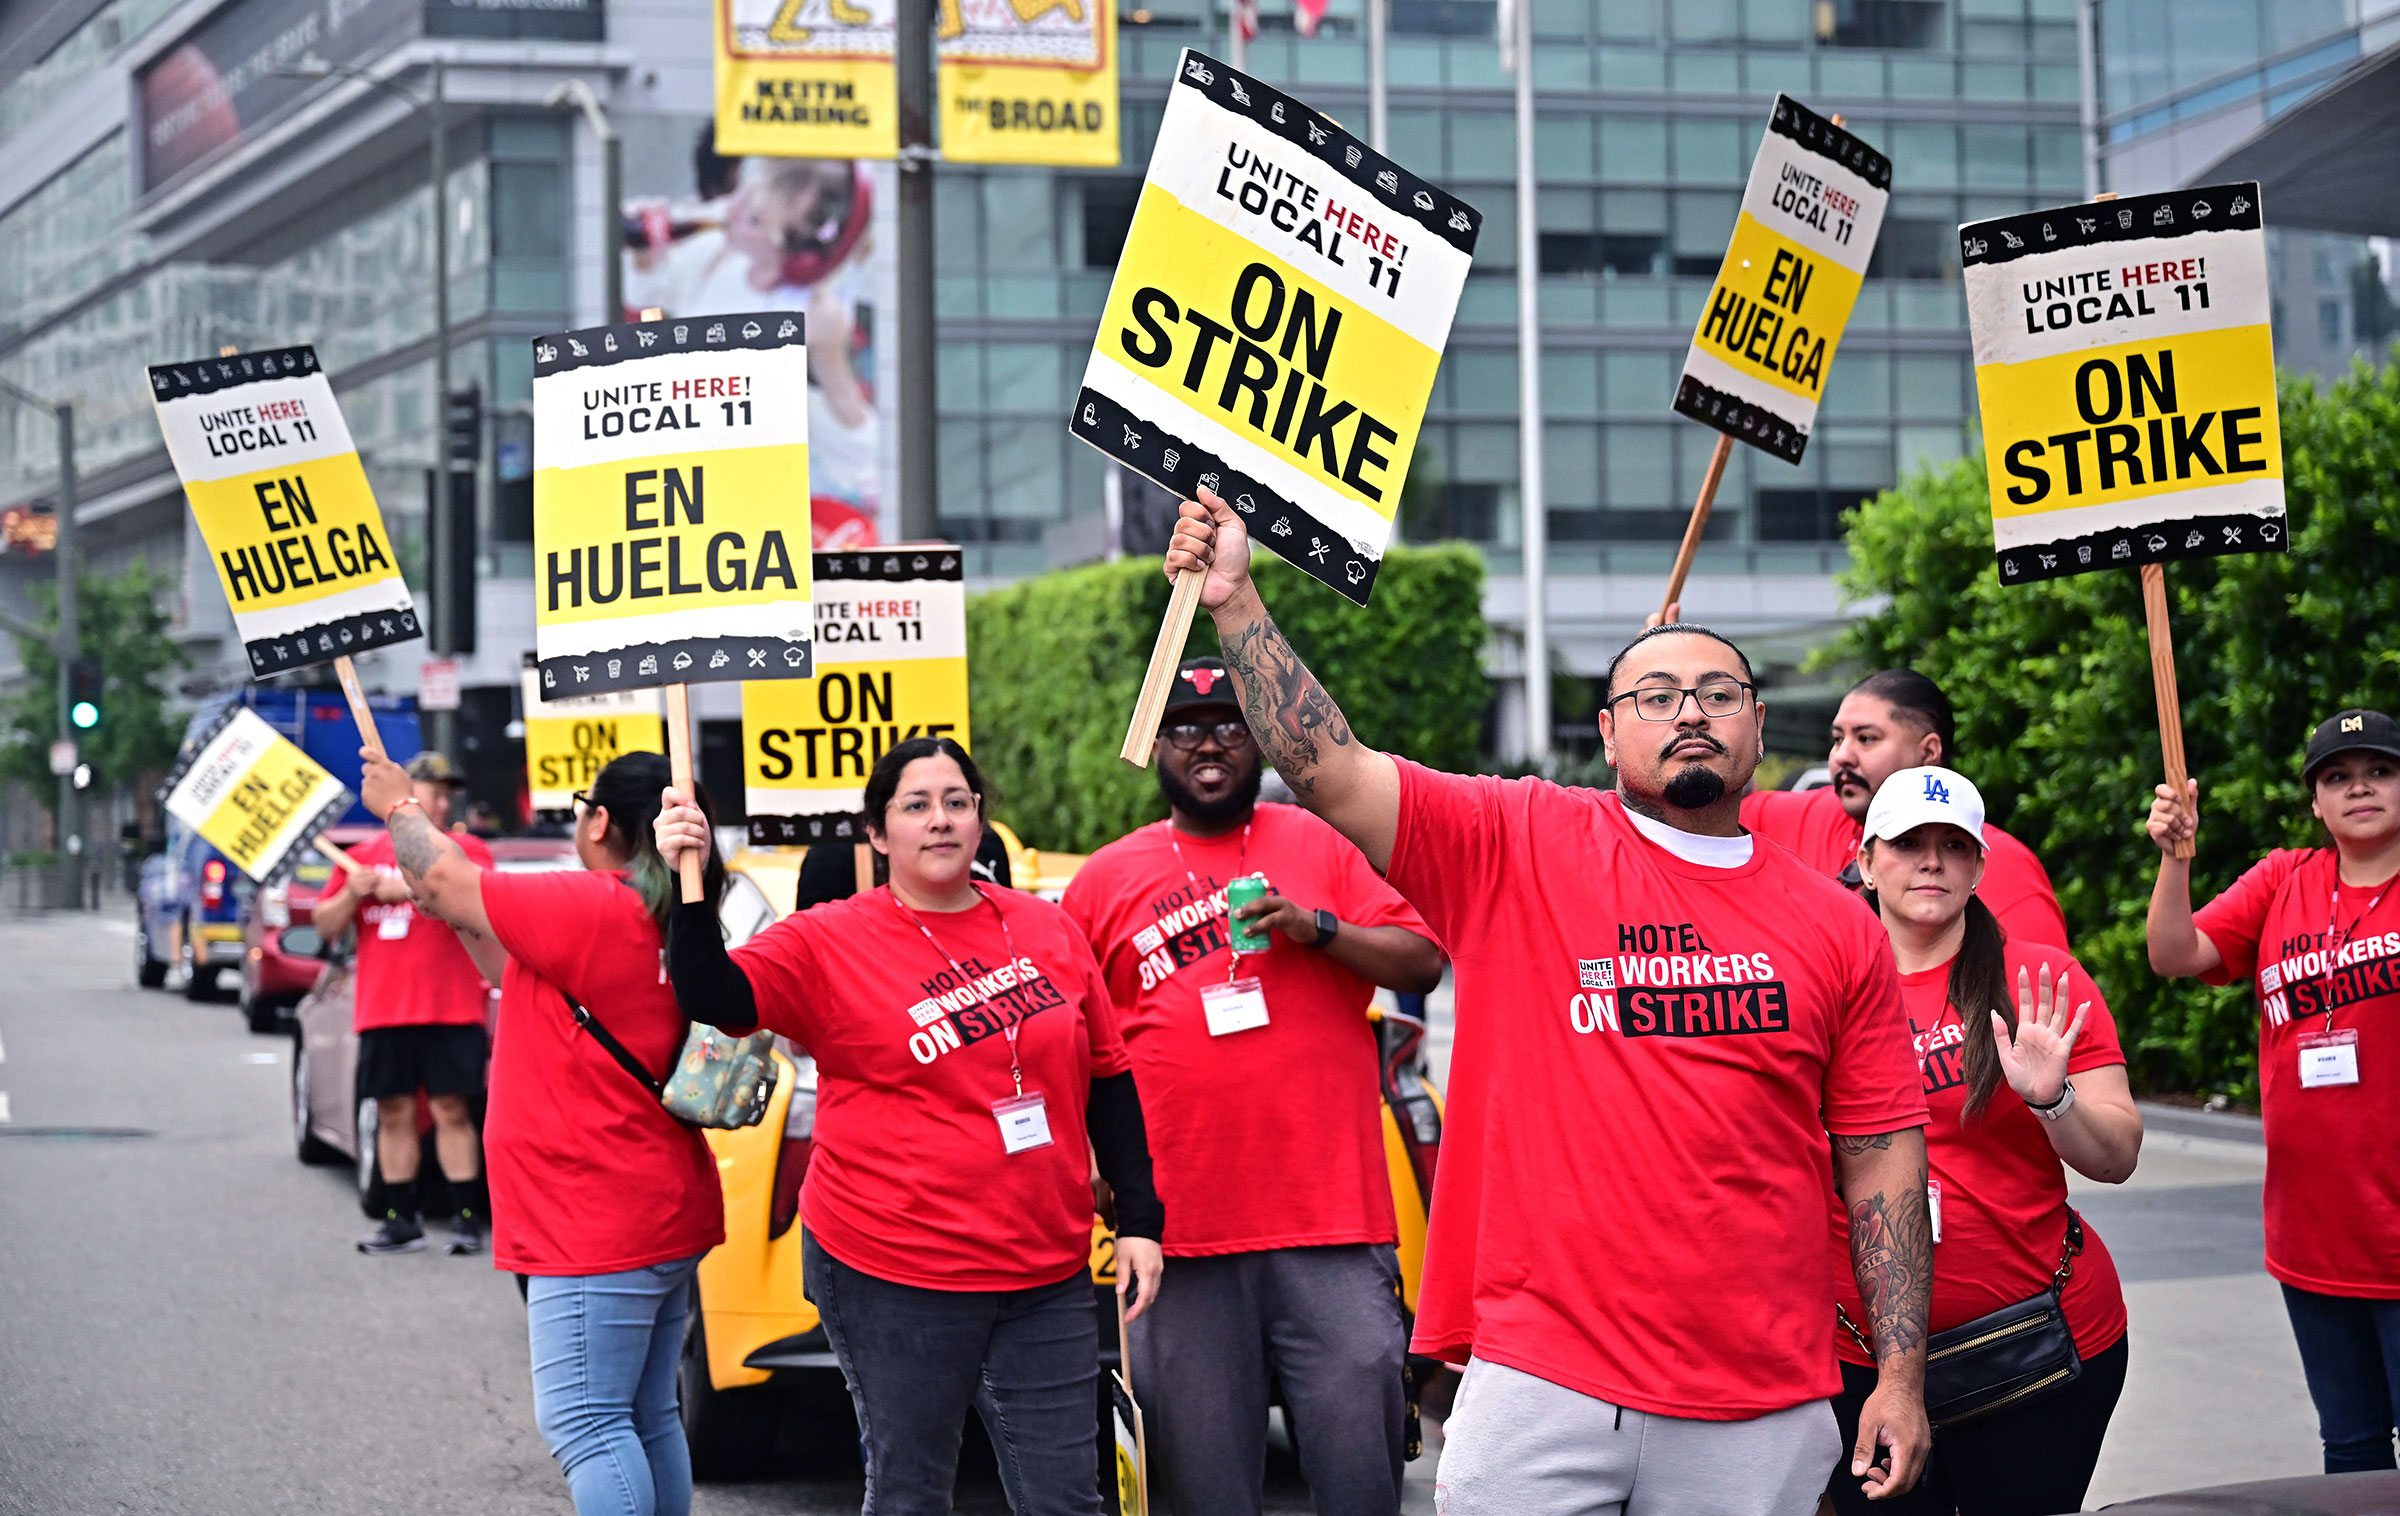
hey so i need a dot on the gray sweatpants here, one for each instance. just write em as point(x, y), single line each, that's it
point(1324, 1322)
point(1516, 1445)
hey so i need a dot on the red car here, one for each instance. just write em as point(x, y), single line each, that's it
point(274, 979)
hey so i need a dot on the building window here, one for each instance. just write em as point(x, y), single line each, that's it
point(1912, 24)
point(2329, 322)
point(1107, 217)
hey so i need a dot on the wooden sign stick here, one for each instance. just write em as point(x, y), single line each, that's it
point(679, 774)
point(348, 863)
point(1698, 525)
point(347, 672)
point(2162, 679)
point(1142, 732)
point(862, 866)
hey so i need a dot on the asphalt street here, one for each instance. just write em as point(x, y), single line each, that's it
point(185, 1327)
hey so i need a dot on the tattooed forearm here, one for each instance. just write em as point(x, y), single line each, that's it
point(1851, 1146)
point(416, 844)
point(1891, 1252)
point(1289, 712)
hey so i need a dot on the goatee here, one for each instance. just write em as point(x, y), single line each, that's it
point(1694, 789)
point(1233, 806)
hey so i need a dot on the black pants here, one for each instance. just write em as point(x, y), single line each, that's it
point(917, 1360)
point(2034, 1460)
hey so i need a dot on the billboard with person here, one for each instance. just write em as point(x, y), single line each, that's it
point(711, 235)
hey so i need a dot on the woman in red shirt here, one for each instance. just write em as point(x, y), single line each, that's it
point(604, 1200)
point(2012, 1107)
point(965, 1046)
point(2318, 932)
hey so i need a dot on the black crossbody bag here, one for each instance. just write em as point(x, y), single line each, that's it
point(2010, 1357)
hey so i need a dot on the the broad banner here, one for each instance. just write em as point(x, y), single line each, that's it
point(2127, 381)
point(891, 654)
point(1774, 318)
point(568, 741)
point(1279, 309)
point(253, 794)
point(806, 79)
point(1029, 81)
point(283, 505)
point(670, 503)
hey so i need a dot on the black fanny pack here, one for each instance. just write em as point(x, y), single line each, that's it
point(2010, 1357)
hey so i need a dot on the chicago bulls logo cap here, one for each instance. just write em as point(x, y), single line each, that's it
point(1199, 682)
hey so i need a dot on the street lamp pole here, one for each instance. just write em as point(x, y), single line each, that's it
point(66, 642)
point(576, 94)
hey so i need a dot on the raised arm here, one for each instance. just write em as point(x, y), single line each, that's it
point(1881, 1176)
point(444, 882)
point(1297, 725)
point(2178, 948)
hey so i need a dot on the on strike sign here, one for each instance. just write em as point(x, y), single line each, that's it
point(283, 504)
point(1809, 218)
point(255, 796)
point(891, 664)
point(1277, 315)
point(670, 503)
point(568, 741)
point(2127, 381)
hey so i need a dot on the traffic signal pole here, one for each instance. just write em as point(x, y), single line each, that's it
point(68, 648)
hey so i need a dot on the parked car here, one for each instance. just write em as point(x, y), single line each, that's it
point(331, 1122)
point(273, 977)
point(187, 915)
point(754, 1336)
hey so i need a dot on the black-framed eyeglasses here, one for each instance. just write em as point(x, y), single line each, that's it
point(580, 801)
point(1188, 735)
point(1664, 702)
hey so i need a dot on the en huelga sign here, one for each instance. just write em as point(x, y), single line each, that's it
point(2126, 376)
point(1278, 312)
point(670, 503)
point(253, 794)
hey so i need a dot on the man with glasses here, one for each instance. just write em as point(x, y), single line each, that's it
point(1661, 1030)
point(1259, 1081)
point(421, 1015)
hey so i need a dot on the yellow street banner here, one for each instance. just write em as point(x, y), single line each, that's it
point(806, 79)
point(1028, 81)
point(2126, 377)
point(670, 503)
point(283, 506)
point(1279, 310)
point(891, 650)
point(1774, 318)
point(253, 794)
point(568, 741)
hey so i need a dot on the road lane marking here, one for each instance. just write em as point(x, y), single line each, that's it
point(4, 1116)
point(262, 1058)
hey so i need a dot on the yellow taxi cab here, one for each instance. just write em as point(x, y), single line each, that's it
point(752, 1326)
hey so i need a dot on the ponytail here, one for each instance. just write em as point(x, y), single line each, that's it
point(628, 790)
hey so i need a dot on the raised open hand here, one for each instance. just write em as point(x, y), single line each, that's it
point(2035, 1061)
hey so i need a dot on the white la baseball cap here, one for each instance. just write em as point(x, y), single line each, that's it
point(1913, 797)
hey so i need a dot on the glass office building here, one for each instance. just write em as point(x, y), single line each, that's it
point(2182, 83)
point(299, 213)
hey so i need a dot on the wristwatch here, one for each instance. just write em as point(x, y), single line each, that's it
point(2059, 1107)
point(1327, 924)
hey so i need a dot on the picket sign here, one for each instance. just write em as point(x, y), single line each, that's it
point(670, 513)
point(1774, 318)
point(2125, 376)
point(1133, 1453)
point(253, 794)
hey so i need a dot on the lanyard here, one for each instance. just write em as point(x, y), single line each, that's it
point(1016, 1069)
point(1241, 867)
point(2333, 916)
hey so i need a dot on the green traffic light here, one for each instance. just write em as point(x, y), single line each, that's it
point(84, 714)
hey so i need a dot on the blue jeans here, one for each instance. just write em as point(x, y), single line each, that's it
point(2350, 1350)
point(605, 1349)
point(1027, 1361)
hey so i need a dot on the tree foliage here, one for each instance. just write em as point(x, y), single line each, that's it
point(122, 628)
point(1057, 662)
point(2057, 722)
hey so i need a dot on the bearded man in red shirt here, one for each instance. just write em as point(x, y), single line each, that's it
point(1893, 720)
point(1673, 1047)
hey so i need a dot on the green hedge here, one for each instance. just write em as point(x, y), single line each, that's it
point(2057, 723)
point(1058, 660)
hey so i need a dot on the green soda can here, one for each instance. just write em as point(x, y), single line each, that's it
point(1238, 894)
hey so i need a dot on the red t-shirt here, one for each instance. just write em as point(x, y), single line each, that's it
point(1634, 1179)
point(589, 1174)
point(2003, 1188)
point(412, 969)
point(1813, 824)
point(1271, 1137)
point(2333, 1166)
point(911, 1181)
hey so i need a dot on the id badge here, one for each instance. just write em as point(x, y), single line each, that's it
point(1234, 1007)
point(1933, 1206)
point(2328, 1058)
point(1024, 1124)
point(394, 926)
